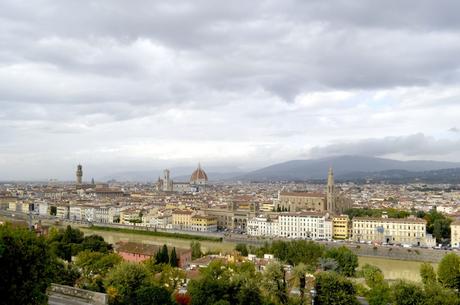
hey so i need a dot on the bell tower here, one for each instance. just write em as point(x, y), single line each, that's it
point(79, 174)
point(330, 199)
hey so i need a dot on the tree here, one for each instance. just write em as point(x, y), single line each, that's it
point(441, 229)
point(95, 243)
point(346, 259)
point(162, 256)
point(152, 295)
point(300, 273)
point(242, 248)
point(427, 274)
point(67, 243)
point(124, 280)
point(372, 275)
point(406, 293)
point(437, 224)
point(173, 260)
point(449, 271)
point(436, 294)
point(25, 261)
point(196, 249)
point(379, 294)
point(226, 284)
point(64, 273)
point(327, 264)
point(334, 289)
point(297, 251)
point(171, 277)
point(275, 282)
point(94, 266)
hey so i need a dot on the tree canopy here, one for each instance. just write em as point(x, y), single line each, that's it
point(449, 271)
point(347, 261)
point(26, 267)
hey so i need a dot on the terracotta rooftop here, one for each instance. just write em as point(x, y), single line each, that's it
point(144, 249)
point(303, 194)
point(398, 220)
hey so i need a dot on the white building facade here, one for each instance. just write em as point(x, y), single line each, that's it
point(305, 225)
point(263, 226)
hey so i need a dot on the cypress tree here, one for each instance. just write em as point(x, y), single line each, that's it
point(173, 258)
point(158, 257)
point(164, 254)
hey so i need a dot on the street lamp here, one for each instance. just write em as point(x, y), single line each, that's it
point(313, 295)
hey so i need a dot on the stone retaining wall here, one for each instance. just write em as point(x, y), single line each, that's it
point(78, 295)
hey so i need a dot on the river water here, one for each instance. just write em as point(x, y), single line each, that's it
point(392, 269)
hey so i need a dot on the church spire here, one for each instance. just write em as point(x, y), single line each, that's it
point(330, 177)
point(330, 200)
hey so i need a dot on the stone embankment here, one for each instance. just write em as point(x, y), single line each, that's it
point(389, 252)
point(67, 295)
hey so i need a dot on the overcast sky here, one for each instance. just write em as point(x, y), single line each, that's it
point(136, 85)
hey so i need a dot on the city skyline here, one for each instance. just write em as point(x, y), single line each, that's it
point(244, 85)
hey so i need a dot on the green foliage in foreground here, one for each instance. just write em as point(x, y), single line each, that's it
point(334, 289)
point(68, 242)
point(132, 283)
point(25, 265)
point(157, 233)
point(449, 271)
point(227, 284)
point(292, 252)
point(347, 261)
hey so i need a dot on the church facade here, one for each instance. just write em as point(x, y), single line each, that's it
point(332, 201)
point(198, 182)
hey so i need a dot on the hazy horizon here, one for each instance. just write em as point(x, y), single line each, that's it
point(242, 85)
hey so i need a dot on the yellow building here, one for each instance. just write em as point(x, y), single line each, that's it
point(341, 227)
point(13, 206)
point(204, 223)
point(455, 234)
point(130, 216)
point(182, 219)
point(409, 231)
point(62, 211)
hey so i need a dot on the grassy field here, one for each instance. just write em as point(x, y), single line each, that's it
point(114, 237)
point(159, 234)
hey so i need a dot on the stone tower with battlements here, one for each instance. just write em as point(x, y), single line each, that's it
point(79, 174)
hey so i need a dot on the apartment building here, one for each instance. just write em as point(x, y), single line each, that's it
point(203, 223)
point(263, 226)
point(130, 216)
point(410, 231)
point(341, 227)
point(62, 211)
point(305, 225)
point(455, 234)
point(182, 219)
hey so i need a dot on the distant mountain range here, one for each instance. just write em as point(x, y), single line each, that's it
point(355, 168)
point(345, 167)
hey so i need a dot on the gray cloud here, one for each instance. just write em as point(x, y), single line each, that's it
point(408, 146)
point(114, 82)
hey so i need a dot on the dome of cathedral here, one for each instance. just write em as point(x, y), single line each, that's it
point(199, 175)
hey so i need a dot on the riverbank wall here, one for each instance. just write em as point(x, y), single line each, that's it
point(366, 250)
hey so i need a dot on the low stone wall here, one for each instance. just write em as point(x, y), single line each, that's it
point(73, 295)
